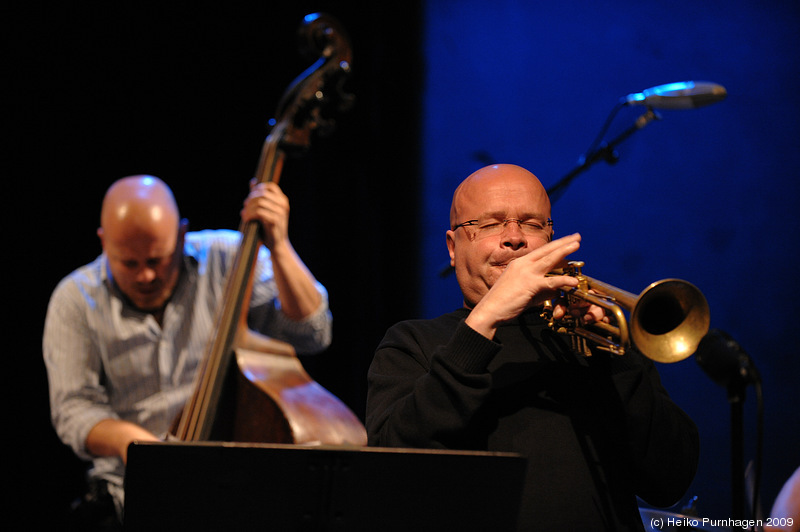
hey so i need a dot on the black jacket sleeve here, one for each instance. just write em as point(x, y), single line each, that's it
point(416, 397)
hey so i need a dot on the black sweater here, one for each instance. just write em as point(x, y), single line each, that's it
point(597, 431)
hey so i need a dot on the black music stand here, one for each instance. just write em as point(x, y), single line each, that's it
point(244, 487)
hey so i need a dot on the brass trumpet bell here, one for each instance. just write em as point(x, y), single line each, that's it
point(668, 318)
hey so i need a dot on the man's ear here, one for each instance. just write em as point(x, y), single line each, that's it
point(451, 247)
point(183, 227)
point(100, 236)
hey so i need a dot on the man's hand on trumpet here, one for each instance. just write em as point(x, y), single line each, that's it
point(525, 282)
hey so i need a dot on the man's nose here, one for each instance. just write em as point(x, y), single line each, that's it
point(146, 275)
point(513, 236)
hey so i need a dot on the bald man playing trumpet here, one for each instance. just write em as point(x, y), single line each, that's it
point(597, 431)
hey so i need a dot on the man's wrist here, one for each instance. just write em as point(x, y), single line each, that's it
point(482, 323)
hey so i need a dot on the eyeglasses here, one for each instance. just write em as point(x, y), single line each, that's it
point(494, 227)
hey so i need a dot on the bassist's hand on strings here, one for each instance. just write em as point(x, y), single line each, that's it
point(297, 290)
point(268, 205)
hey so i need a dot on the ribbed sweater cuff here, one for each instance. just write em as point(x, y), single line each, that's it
point(471, 350)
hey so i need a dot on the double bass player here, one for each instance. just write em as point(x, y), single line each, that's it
point(124, 334)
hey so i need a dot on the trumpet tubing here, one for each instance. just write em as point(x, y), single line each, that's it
point(667, 319)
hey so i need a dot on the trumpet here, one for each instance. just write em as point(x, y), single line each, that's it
point(668, 318)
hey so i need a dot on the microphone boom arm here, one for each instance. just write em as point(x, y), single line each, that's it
point(606, 152)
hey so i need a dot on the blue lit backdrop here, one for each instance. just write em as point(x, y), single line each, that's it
point(707, 195)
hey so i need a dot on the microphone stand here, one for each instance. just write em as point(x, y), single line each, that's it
point(730, 366)
point(606, 152)
point(736, 398)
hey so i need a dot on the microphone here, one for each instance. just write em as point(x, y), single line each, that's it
point(724, 360)
point(680, 95)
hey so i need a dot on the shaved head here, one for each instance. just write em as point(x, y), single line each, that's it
point(142, 237)
point(138, 202)
point(472, 191)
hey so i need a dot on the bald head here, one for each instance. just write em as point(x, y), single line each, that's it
point(143, 239)
point(136, 203)
point(472, 192)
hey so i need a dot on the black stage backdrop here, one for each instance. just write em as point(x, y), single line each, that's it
point(101, 91)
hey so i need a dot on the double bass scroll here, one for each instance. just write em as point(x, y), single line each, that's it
point(259, 379)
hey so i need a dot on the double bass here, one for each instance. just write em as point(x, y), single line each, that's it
point(251, 388)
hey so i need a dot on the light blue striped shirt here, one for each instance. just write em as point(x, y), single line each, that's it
point(105, 359)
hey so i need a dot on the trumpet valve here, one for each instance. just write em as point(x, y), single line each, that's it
point(574, 269)
point(547, 313)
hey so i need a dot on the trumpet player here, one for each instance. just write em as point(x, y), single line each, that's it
point(597, 431)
